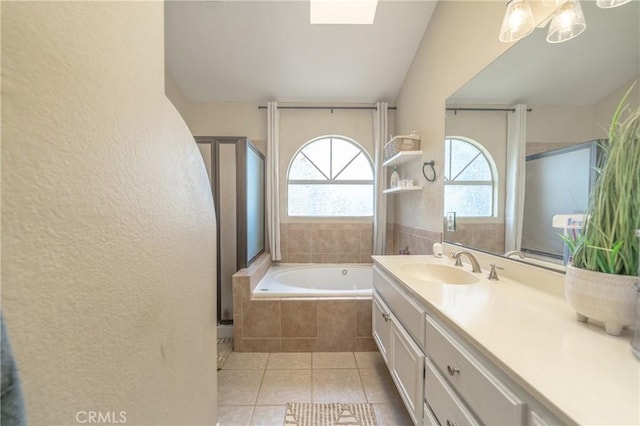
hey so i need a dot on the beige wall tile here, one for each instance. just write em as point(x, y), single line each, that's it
point(299, 318)
point(366, 241)
point(258, 345)
point(336, 344)
point(365, 344)
point(299, 240)
point(299, 257)
point(260, 319)
point(299, 345)
point(324, 241)
point(363, 318)
point(325, 258)
point(349, 241)
point(338, 318)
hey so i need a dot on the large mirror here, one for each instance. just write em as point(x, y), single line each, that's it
point(569, 91)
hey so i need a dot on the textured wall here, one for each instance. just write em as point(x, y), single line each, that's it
point(108, 229)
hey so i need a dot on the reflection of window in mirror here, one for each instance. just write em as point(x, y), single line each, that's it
point(469, 178)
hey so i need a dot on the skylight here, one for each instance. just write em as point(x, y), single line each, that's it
point(342, 11)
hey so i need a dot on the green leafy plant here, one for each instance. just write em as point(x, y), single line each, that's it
point(608, 242)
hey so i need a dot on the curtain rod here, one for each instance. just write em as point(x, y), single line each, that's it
point(326, 107)
point(484, 109)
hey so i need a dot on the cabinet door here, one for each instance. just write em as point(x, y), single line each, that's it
point(381, 319)
point(407, 370)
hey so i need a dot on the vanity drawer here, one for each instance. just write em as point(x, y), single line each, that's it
point(484, 393)
point(447, 408)
point(407, 311)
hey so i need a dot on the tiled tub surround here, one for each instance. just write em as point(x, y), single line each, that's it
point(326, 242)
point(297, 325)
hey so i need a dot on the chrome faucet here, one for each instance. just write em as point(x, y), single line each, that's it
point(518, 253)
point(475, 266)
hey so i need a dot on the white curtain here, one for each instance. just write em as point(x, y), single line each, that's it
point(514, 203)
point(380, 200)
point(273, 180)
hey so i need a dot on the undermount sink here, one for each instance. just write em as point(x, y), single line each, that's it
point(439, 274)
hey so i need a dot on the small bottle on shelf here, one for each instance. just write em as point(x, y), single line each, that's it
point(395, 178)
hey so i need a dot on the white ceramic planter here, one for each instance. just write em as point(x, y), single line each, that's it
point(608, 298)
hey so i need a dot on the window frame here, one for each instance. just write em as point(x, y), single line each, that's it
point(492, 169)
point(328, 180)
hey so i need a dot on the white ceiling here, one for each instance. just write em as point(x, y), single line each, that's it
point(576, 72)
point(256, 51)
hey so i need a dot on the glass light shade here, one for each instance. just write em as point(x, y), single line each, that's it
point(552, 3)
point(567, 23)
point(517, 22)
point(608, 4)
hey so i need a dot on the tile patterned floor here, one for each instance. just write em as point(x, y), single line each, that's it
point(253, 388)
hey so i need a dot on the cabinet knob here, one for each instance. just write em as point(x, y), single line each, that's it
point(385, 316)
point(452, 370)
point(450, 423)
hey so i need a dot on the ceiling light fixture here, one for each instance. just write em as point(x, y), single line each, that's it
point(608, 4)
point(342, 11)
point(517, 22)
point(567, 23)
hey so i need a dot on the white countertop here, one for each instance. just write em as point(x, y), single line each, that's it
point(584, 374)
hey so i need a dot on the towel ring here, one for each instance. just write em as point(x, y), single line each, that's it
point(433, 170)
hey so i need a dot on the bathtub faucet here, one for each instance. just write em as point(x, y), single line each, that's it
point(475, 266)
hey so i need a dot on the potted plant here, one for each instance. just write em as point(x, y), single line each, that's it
point(600, 281)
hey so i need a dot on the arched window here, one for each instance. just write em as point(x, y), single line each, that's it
point(330, 176)
point(469, 178)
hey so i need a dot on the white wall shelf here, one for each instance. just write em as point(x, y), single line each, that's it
point(401, 189)
point(402, 157)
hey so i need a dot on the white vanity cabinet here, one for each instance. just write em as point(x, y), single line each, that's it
point(393, 314)
point(472, 378)
point(442, 378)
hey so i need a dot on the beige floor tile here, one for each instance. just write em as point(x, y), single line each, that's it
point(282, 386)
point(379, 386)
point(289, 361)
point(392, 415)
point(238, 387)
point(268, 415)
point(333, 360)
point(234, 415)
point(369, 359)
point(246, 361)
point(337, 385)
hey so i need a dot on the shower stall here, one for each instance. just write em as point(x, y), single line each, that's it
point(236, 171)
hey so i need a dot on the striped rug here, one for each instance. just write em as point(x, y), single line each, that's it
point(307, 414)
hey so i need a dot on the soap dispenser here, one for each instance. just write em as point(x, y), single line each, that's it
point(395, 178)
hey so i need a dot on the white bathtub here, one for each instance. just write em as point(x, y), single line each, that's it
point(316, 280)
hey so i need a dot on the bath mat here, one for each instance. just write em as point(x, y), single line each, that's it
point(307, 414)
point(225, 347)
